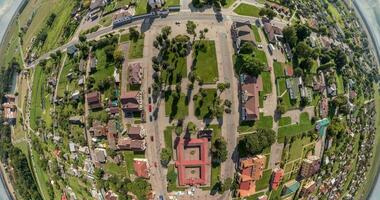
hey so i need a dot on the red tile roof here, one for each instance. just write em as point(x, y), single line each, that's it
point(277, 175)
point(141, 168)
point(251, 170)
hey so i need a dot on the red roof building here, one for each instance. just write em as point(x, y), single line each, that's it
point(251, 170)
point(128, 144)
point(192, 161)
point(277, 175)
point(323, 107)
point(94, 100)
point(10, 109)
point(136, 132)
point(289, 71)
point(250, 88)
point(98, 129)
point(141, 168)
point(131, 101)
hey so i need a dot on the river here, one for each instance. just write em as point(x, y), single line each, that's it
point(370, 10)
point(7, 10)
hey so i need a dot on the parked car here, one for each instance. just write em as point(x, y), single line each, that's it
point(151, 118)
point(151, 138)
point(150, 107)
point(149, 90)
point(150, 100)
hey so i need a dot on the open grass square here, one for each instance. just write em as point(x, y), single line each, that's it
point(264, 181)
point(255, 30)
point(260, 55)
point(278, 70)
point(168, 134)
point(38, 94)
point(136, 49)
point(267, 82)
point(285, 121)
point(176, 108)
point(247, 10)
point(205, 62)
point(203, 104)
point(295, 129)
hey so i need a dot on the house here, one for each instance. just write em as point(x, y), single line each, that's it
point(156, 4)
point(250, 87)
point(81, 81)
point(121, 17)
point(323, 107)
point(141, 167)
point(116, 76)
point(96, 5)
point(273, 32)
point(310, 166)
point(94, 100)
point(131, 101)
point(128, 144)
point(111, 196)
point(100, 155)
point(241, 33)
point(300, 81)
point(290, 187)
point(136, 133)
point(303, 92)
point(76, 120)
point(289, 71)
point(10, 110)
point(75, 95)
point(308, 188)
point(193, 167)
point(250, 170)
point(98, 129)
point(72, 147)
point(279, 8)
point(92, 63)
point(84, 150)
point(331, 90)
point(82, 65)
point(277, 176)
point(72, 49)
point(135, 73)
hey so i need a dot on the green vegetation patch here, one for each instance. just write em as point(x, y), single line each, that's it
point(264, 181)
point(38, 105)
point(176, 105)
point(250, 126)
point(267, 82)
point(202, 104)
point(136, 49)
point(180, 68)
point(278, 69)
point(205, 61)
point(168, 134)
point(295, 129)
point(247, 10)
point(285, 121)
point(256, 33)
point(260, 55)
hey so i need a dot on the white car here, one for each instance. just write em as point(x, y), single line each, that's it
point(260, 46)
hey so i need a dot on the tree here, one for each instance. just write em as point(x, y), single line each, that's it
point(178, 130)
point(191, 128)
point(82, 38)
point(221, 87)
point(250, 65)
point(190, 27)
point(247, 48)
point(302, 32)
point(290, 36)
point(118, 57)
point(165, 156)
point(166, 30)
point(340, 100)
point(340, 59)
point(219, 150)
point(267, 12)
point(306, 64)
point(337, 128)
point(134, 34)
point(253, 144)
point(303, 50)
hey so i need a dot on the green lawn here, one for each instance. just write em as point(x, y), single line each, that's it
point(339, 84)
point(136, 49)
point(264, 181)
point(115, 4)
point(285, 121)
point(205, 62)
point(215, 173)
point(264, 121)
point(42, 176)
point(247, 10)
point(169, 3)
point(168, 134)
point(116, 170)
point(124, 38)
point(260, 55)
point(278, 69)
point(267, 82)
point(295, 129)
point(128, 157)
point(79, 187)
point(281, 86)
point(38, 94)
point(295, 151)
point(63, 83)
point(175, 109)
point(104, 68)
point(180, 69)
point(141, 7)
point(256, 33)
point(105, 21)
point(203, 104)
point(228, 3)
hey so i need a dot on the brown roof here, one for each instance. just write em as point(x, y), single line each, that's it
point(135, 73)
point(111, 134)
point(128, 144)
point(98, 129)
point(94, 100)
point(134, 132)
point(251, 170)
point(130, 100)
point(244, 31)
point(250, 97)
point(111, 196)
point(141, 168)
point(100, 155)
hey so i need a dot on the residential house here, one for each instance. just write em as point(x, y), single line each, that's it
point(98, 129)
point(136, 132)
point(112, 134)
point(128, 144)
point(273, 32)
point(96, 5)
point(94, 100)
point(76, 120)
point(113, 108)
point(10, 110)
point(310, 166)
point(141, 167)
point(131, 101)
point(156, 4)
point(72, 49)
point(308, 188)
point(277, 176)
point(250, 170)
point(331, 90)
point(250, 87)
point(135, 73)
point(289, 71)
point(116, 77)
point(242, 33)
point(323, 107)
point(72, 147)
point(100, 155)
point(92, 63)
point(111, 196)
point(75, 95)
point(280, 8)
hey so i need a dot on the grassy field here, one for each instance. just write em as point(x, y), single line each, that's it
point(264, 181)
point(296, 148)
point(136, 49)
point(339, 84)
point(177, 109)
point(168, 132)
point(215, 173)
point(278, 69)
point(263, 122)
point(172, 3)
point(124, 38)
point(104, 69)
point(203, 104)
point(247, 10)
point(142, 7)
point(285, 121)
point(42, 176)
point(228, 3)
point(206, 66)
point(105, 21)
point(260, 55)
point(180, 69)
point(38, 94)
point(116, 170)
point(11, 47)
point(116, 4)
point(267, 82)
point(295, 129)
point(256, 33)
point(63, 83)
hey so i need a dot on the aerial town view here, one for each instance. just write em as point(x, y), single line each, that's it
point(189, 99)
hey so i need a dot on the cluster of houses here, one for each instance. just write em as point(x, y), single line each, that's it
point(9, 110)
